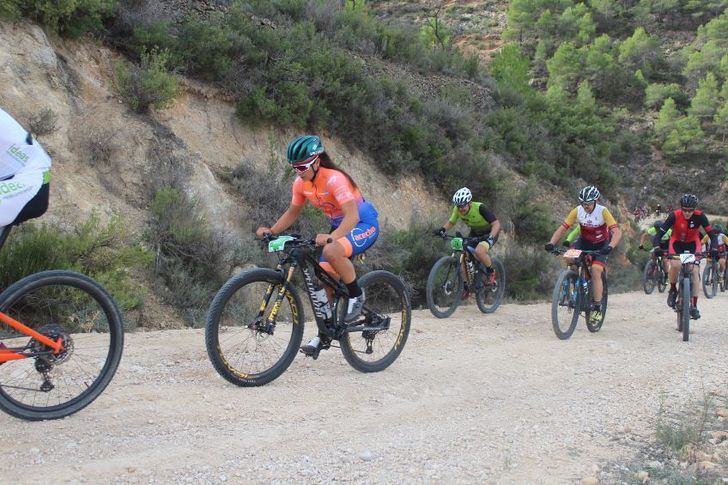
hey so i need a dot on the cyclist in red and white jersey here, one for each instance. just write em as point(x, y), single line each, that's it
point(686, 224)
point(598, 232)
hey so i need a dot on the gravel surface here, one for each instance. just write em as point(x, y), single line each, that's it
point(472, 398)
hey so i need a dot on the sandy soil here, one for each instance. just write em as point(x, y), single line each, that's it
point(472, 398)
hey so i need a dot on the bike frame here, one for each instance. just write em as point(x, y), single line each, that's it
point(301, 258)
point(583, 263)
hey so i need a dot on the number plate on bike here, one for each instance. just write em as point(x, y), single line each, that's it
point(279, 243)
point(687, 258)
point(572, 253)
point(456, 243)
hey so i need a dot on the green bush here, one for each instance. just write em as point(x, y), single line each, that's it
point(89, 248)
point(530, 273)
point(149, 84)
point(191, 260)
point(70, 18)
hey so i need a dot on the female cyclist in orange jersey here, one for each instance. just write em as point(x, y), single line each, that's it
point(354, 221)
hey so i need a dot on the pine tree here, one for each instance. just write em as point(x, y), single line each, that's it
point(705, 101)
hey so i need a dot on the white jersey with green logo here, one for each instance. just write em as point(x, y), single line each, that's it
point(24, 168)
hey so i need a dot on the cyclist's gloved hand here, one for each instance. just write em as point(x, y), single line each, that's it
point(548, 247)
point(566, 244)
point(605, 250)
point(490, 241)
point(642, 247)
point(440, 232)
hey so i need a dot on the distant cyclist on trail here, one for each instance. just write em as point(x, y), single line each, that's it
point(598, 232)
point(685, 224)
point(483, 224)
point(354, 221)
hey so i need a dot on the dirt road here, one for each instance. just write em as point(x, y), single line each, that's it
point(472, 398)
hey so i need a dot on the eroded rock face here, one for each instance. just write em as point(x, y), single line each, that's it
point(105, 157)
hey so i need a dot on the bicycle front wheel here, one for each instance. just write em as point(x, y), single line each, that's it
point(661, 279)
point(710, 280)
point(649, 277)
point(684, 314)
point(444, 287)
point(565, 304)
point(243, 345)
point(374, 342)
point(489, 292)
point(59, 305)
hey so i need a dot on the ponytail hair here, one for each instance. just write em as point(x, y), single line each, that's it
point(326, 162)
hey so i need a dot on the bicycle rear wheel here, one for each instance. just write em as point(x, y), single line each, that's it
point(649, 277)
point(375, 341)
point(596, 325)
point(710, 280)
point(489, 294)
point(684, 314)
point(444, 287)
point(76, 309)
point(244, 348)
point(565, 304)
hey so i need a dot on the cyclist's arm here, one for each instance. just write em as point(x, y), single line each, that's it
point(570, 220)
point(495, 224)
point(448, 225)
point(351, 219)
point(287, 219)
point(669, 222)
point(614, 232)
point(643, 238)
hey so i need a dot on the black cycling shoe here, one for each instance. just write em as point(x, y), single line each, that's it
point(694, 313)
point(671, 298)
point(315, 346)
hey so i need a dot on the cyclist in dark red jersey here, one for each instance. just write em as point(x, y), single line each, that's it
point(686, 223)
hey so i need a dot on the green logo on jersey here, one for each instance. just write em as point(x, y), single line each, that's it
point(18, 154)
point(10, 187)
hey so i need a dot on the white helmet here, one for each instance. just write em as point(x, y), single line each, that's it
point(589, 194)
point(462, 197)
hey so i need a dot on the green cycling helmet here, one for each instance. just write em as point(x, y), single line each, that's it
point(304, 148)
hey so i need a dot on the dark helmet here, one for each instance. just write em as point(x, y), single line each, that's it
point(719, 229)
point(657, 224)
point(589, 194)
point(303, 148)
point(689, 200)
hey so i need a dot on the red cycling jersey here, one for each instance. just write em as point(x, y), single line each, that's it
point(686, 230)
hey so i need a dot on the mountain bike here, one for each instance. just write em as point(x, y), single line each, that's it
point(572, 295)
point(684, 292)
point(61, 340)
point(654, 274)
point(254, 325)
point(456, 276)
point(711, 277)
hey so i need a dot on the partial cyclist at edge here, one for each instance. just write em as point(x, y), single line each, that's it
point(24, 174)
point(686, 223)
point(354, 220)
point(598, 231)
point(483, 225)
point(660, 241)
point(722, 245)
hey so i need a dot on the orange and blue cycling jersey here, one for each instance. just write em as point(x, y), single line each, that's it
point(594, 225)
point(328, 191)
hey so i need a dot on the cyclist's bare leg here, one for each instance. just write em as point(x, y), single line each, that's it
point(481, 252)
point(721, 264)
point(674, 270)
point(696, 280)
point(335, 254)
point(597, 286)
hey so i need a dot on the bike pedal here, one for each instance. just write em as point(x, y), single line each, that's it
point(310, 352)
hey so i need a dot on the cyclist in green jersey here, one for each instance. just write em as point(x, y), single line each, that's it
point(483, 224)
